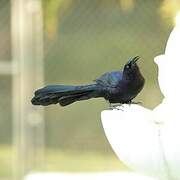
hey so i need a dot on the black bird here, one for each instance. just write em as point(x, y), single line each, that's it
point(116, 87)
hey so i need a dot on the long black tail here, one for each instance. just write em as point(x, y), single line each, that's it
point(64, 95)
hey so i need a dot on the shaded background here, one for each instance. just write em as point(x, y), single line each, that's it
point(82, 40)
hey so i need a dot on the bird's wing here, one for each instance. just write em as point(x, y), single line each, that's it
point(110, 79)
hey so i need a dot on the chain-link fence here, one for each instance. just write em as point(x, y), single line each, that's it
point(5, 90)
point(82, 40)
point(93, 37)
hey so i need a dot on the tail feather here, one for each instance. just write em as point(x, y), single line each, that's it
point(64, 95)
point(55, 89)
point(66, 100)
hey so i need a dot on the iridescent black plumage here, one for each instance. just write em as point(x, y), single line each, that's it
point(116, 87)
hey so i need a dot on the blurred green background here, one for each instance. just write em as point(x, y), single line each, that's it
point(82, 40)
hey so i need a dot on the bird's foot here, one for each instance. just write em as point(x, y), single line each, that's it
point(116, 106)
point(132, 102)
point(140, 103)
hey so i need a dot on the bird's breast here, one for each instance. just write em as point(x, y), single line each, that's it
point(125, 91)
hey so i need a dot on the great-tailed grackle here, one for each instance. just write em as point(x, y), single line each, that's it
point(116, 87)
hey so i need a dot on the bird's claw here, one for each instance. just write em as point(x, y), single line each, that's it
point(116, 106)
point(140, 103)
point(132, 102)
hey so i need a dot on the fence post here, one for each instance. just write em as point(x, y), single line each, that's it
point(27, 54)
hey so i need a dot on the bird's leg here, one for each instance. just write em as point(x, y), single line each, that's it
point(115, 106)
point(136, 103)
point(110, 106)
point(131, 102)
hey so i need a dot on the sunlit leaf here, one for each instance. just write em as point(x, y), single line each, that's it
point(52, 9)
point(169, 9)
point(126, 5)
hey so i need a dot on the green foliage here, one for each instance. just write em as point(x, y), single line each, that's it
point(6, 159)
point(62, 161)
point(67, 161)
point(169, 9)
point(90, 37)
point(52, 9)
point(89, 42)
point(83, 39)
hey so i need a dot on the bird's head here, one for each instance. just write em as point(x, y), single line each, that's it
point(131, 68)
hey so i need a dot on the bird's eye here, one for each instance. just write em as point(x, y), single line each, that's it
point(127, 66)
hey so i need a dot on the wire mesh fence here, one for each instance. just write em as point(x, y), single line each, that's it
point(5, 91)
point(82, 40)
point(93, 37)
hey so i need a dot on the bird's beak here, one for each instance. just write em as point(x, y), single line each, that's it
point(135, 59)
